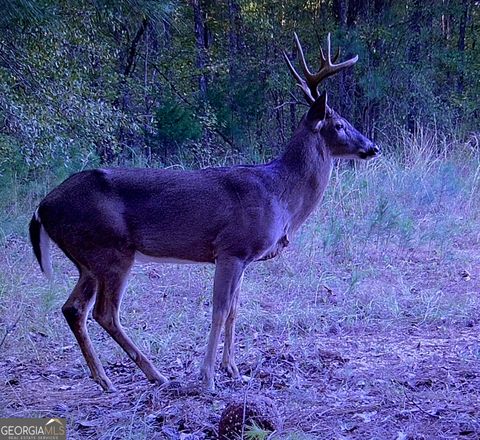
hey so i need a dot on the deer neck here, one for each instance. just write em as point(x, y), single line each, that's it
point(305, 170)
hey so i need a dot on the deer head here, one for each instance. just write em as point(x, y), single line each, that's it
point(334, 133)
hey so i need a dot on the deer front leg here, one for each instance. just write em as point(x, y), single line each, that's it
point(228, 359)
point(228, 273)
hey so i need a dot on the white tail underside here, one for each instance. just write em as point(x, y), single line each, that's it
point(45, 249)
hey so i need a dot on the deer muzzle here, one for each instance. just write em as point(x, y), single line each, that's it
point(370, 152)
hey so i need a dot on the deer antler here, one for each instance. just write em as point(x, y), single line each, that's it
point(309, 85)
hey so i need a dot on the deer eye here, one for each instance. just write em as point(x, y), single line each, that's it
point(338, 126)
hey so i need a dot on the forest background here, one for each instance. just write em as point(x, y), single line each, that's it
point(367, 325)
point(88, 83)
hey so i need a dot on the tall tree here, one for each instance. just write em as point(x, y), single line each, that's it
point(201, 44)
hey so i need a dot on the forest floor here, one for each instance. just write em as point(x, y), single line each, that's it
point(367, 327)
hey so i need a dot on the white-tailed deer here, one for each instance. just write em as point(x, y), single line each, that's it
point(106, 219)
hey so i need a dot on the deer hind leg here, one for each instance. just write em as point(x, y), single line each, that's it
point(228, 359)
point(106, 313)
point(75, 311)
point(227, 277)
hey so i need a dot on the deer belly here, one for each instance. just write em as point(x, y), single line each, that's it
point(145, 259)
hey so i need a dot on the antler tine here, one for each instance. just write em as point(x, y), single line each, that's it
point(303, 63)
point(329, 68)
point(322, 57)
point(329, 47)
point(294, 73)
point(337, 55)
point(300, 81)
point(309, 85)
point(323, 60)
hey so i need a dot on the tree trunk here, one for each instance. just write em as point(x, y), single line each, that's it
point(463, 26)
point(234, 21)
point(353, 9)
point(461, 41)
point(201, 46)
point(132, 51)
point(341, 7)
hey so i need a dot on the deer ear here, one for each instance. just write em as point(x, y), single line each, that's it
point(318, 111)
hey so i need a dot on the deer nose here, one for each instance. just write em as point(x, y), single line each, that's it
point(369, 150)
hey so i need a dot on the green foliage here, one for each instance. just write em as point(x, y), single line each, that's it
point(176, 123)
point(22, 12)
point(254, 432)
point(83, 83)
point(11, 159)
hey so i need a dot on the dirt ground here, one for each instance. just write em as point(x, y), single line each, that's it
point(392, 353)
point(417, 384)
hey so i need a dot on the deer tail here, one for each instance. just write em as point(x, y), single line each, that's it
point(41, 245)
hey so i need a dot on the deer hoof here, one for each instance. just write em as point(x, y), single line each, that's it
point(231, 369)
point(106, 384)
point(159, 379)
point(208, 383)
